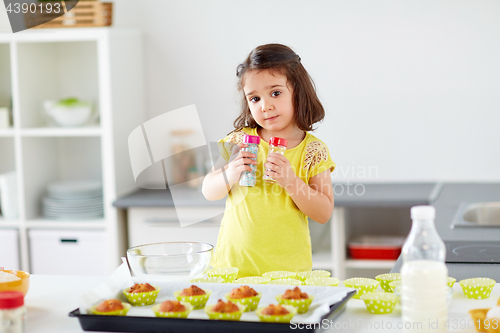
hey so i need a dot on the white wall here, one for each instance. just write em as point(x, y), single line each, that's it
point(411, 88)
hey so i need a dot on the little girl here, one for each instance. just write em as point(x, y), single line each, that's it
point(265, 227)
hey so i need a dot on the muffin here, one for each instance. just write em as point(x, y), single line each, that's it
point(245, 295)
point(296, 298)
point(276, 313)
point(111, 307)
point(224, 310)
point(172, 309)
point(194, 295)
point(141, 294)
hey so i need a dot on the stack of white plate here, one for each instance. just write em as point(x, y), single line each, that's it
point(73, 200)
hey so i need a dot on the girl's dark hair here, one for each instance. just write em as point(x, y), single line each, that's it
point(282, 59)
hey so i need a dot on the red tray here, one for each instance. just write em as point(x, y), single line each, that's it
point(376, 247)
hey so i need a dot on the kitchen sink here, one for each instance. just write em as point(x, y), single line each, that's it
point(480, 215)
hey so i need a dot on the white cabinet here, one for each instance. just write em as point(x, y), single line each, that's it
point(102, 65)
point(154, 225)
point(9, 249)
point(67, 252)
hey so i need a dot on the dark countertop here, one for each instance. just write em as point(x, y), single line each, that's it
point(447, 204)
point(346, 195)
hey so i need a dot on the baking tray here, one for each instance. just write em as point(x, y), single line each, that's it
point(178, 325)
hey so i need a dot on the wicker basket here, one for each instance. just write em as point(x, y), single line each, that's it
point(84, 14)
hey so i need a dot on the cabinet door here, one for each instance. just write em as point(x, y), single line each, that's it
point(9, 249)
point(155, 225)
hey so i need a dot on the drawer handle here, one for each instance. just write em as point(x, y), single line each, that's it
point(65, 240)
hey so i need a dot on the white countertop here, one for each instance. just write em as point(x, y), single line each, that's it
point(50, 299)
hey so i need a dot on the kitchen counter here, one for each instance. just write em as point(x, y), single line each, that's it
point(346, 195)
point(447, 204)
point(51, 298)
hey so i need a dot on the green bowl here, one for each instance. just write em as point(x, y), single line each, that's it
point(287, 282)
point(142, 299)
point(385, 279)
point(250, 303)
point(183, 314)
point(362, 285)
point(323, 282)
point(274, 275)
point(303, 276)
point(228, 274)
point(302, 305)
point(477, 288)
point(198, 302)
point(253, 280)
point(380, 302)
point(235, 316)
point(277, 319)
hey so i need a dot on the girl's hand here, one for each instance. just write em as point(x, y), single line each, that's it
point(239, 161)
point(280, 169)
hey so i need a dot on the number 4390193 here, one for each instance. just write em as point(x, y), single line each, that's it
point(42, 7)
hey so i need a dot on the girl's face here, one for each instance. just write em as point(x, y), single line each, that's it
point(269, 99)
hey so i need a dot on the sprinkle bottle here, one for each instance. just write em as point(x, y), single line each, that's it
point(276, 145)
point(12, 312)
point(249, 178)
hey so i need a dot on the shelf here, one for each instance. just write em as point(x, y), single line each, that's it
point(352, 263)
point(61, 131)
point(6, 133)
point(8, 223)
point(41, 223)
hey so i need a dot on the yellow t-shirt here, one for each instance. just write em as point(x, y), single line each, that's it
point(262, 229)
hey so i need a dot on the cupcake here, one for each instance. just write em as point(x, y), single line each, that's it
point(197, 297)
point(224, 310)
point(295, 297)
point(276, 313)
point(111, 307)
point(172, 309)
point(245, 295)
point(141, 294)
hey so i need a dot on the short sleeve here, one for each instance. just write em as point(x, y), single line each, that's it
point(227, 144)
point(317, 159)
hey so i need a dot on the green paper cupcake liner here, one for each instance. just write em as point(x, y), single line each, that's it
point(198, 302)
point(253, 280)
point(224, 316)
point(274, 275)
point(450, 282)
point(250, 303)
point(362, 285)
point(302, 305)
point(277, 319)
point(142, 299)
point(319, 273)
point(323, 282)
point(122, 312)
point(287, 282)
point(477, 288)
point(394, 284)
point(228, 274)
point(183, 314)
point(380, 302)
point(213, 279)
point(385, 279)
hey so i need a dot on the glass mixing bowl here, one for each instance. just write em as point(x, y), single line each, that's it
point(170, 261)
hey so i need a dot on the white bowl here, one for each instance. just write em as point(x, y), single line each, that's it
point(70, 117)
point(170, 261)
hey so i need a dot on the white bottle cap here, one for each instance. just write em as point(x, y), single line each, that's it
point(423, 213)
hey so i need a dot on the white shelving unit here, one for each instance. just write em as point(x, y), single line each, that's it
point(103, 65)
